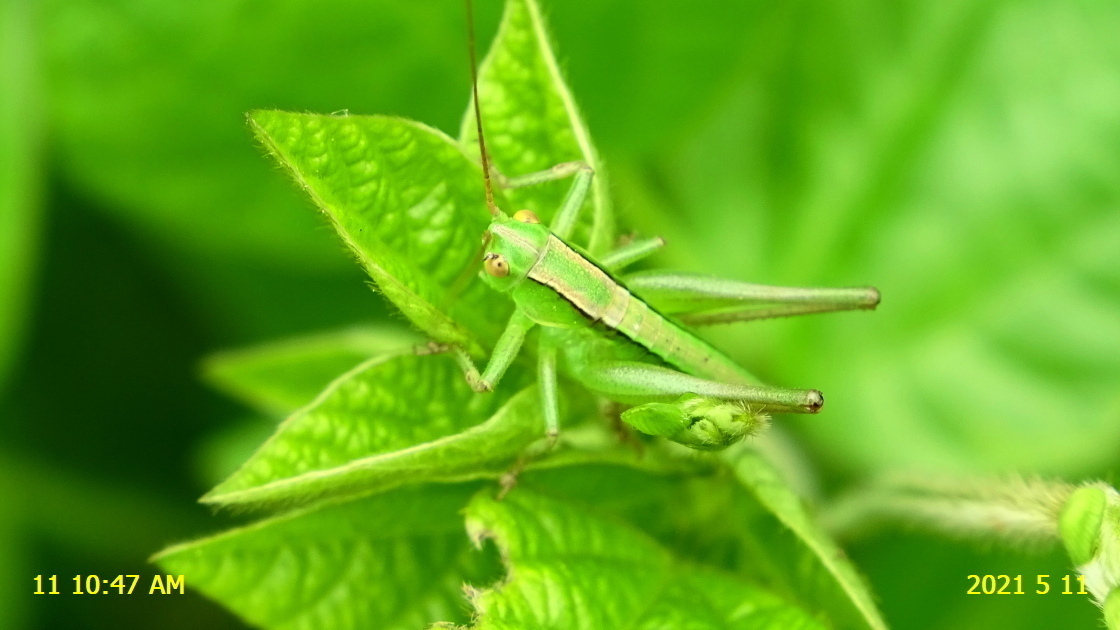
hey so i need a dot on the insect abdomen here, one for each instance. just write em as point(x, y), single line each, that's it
point(596, 295)
point(675, 345)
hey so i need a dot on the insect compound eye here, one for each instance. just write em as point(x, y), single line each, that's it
point(526, 216)
point(495, 265)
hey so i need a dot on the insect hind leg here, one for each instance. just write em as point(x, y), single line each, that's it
point(630, 253)
point(700, 300)
point(635, 382)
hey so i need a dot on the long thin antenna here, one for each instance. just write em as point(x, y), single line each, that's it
point(478, 113)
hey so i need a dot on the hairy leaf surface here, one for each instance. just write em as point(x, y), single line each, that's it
point(393, 561)
point(746, 523)
point(407, 202)
point(571, 568)
point(390, 421)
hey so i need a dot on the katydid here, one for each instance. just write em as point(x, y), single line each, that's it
point(598, 330)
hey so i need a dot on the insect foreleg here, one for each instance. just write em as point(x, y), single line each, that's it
point(505, 351)
point(700, 300)
point(631, 253)
point(630, 381)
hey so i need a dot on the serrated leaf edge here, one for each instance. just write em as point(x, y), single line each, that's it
point(447, 330)
point(266, 493)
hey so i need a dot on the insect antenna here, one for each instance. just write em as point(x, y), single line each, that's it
point(478, 113)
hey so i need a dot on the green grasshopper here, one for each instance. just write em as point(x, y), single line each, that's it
point(604, 335)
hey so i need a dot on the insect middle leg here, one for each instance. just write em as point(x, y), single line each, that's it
point(505, 352)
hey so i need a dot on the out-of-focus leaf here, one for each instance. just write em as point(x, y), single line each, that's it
point(282, 376)
point(13, 553)
point(646, 72)
point(531, 123)
point(91, 514)
point(19, 124)
point(390, 421)
point(571, 568)
point(892, 554)
point(961, 157)
point(396, 560)
point(407, 202)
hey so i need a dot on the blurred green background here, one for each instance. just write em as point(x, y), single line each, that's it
point(963, 156)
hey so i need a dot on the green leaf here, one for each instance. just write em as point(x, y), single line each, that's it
point(115, 521)
point(280, 377)
point(407, 202)
point(396, 560)
point(532, 123)
point(756, 531)
point(822, 577)
point(19, 177)
point(571, 568)
point(224, 450)
point(390, 421)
